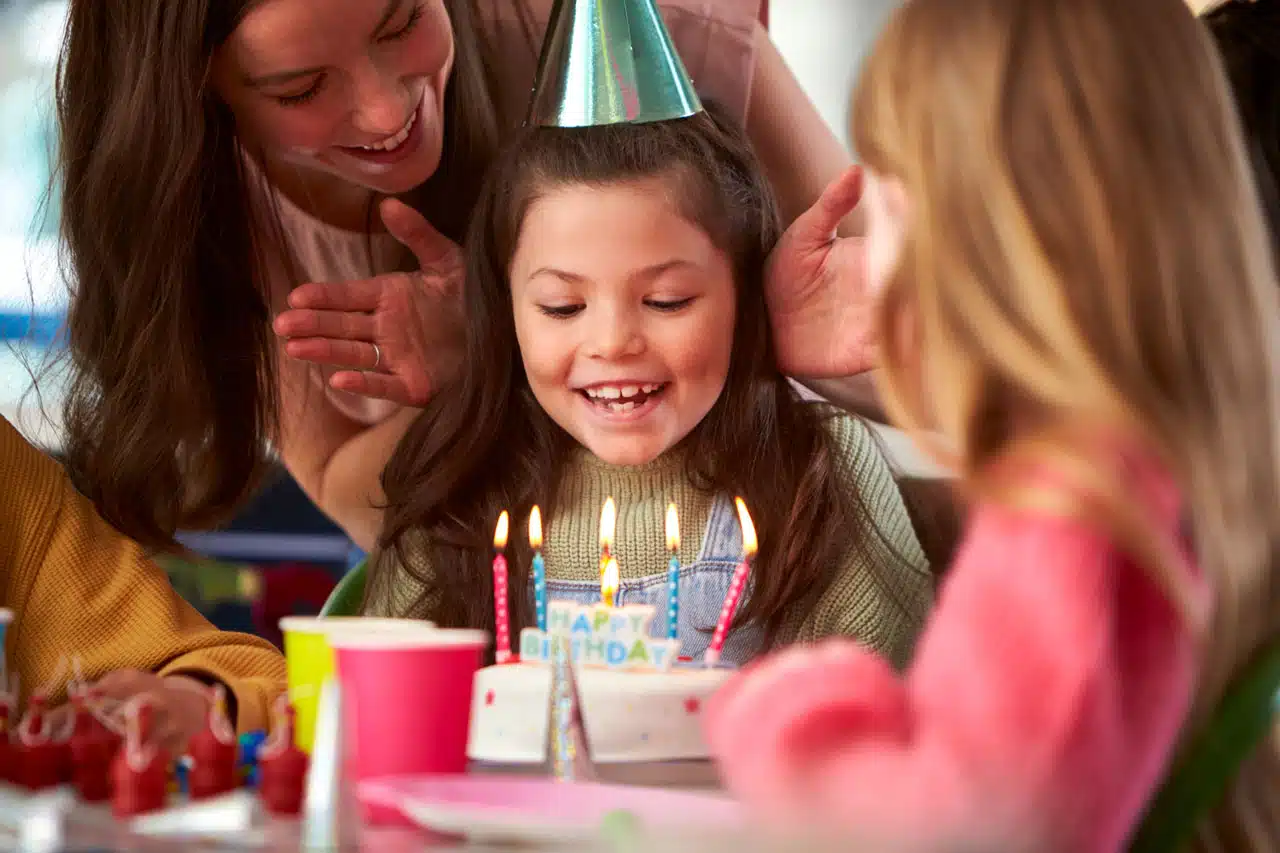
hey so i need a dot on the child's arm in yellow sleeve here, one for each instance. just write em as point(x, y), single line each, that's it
point(80, 588)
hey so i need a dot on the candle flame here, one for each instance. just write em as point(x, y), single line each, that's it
point(749, 544)
point(673, 529)
point(609, 582)
point(500, 535)
point(535, 528)
point(608, 521)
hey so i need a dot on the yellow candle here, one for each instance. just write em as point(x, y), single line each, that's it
point(608, 521)
point(609, 582)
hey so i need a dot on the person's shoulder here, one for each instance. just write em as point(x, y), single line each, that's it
point(25, 465)
point(852, 439)
point(11, 441)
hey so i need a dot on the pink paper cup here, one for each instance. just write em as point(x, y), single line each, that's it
point(406, 700)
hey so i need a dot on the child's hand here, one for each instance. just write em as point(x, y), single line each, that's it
point(180, 705)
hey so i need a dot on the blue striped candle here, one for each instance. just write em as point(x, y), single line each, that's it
point(539, 568)
point(673, 574)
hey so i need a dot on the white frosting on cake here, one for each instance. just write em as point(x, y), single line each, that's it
point(630, 715)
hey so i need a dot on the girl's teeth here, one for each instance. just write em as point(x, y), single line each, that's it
point(630, 390)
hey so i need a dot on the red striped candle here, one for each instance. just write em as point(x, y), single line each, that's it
point(736, 585)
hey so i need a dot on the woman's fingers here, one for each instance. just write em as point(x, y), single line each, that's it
point(360, 296)
point(816, 227)
point(412, 229)
point(308, 323)
point(837, 201)
point(357, 355)
point(382, 386)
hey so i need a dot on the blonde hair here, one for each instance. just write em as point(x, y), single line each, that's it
point(1087, 256)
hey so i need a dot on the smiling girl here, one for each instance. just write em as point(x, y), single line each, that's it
point(616, 303)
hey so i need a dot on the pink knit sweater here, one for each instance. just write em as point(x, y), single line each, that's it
point(1040, 712)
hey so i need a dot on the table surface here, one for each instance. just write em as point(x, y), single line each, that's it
point(93, 830)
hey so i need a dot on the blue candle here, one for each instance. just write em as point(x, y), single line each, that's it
point(673, 574)
point(539, 569)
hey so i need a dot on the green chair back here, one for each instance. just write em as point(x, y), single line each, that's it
point(347, 596)
point(1201, 776)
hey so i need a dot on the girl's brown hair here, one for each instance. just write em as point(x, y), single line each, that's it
point(172, 388)
point(487, 445)
point(1086, 252)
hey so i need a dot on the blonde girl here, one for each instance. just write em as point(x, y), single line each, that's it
point(1077, 301)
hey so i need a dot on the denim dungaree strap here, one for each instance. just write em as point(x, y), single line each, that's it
point(703, 586)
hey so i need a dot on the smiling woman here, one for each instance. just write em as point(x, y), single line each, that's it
point(340, 107)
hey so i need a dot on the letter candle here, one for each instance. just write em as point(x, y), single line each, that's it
point(736, 585)
point(539, 568)
point(673, 573)
point(608, 520)
point(502, 617)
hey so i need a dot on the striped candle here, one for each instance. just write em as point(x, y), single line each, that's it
point(539, 568)
point(673, 574)
point(501, 615)
point(736, 585)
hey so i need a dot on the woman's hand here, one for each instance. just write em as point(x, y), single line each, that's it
point(399, 335)
point(822, 310)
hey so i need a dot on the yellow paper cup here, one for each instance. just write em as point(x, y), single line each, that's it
point(309, 660)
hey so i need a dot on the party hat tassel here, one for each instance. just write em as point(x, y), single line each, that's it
point(609, 62)
point(567, 744)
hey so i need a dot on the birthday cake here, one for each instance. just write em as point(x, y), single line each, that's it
point(639, 703)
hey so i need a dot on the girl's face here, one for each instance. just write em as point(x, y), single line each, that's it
point(885, 202)
point(353, 88)
point(624, 313)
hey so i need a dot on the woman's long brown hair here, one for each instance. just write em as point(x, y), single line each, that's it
point(172, 387)
point(1088, 250)
point(486, 445)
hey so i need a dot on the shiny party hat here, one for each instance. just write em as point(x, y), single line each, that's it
point(609, 62)
point(568, 750)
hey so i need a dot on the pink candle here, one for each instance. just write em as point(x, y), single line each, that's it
point(502, 617)
point(736, 585)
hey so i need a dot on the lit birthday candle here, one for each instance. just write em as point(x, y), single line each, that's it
point(539, 568)
point(736, 585)
point(608, 520)
point(673, 573)
point(502, 617)
point(609, 582)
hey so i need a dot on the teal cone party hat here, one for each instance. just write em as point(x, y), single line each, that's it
point(609, 62)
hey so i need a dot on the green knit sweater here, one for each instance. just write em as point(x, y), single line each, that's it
point(883, 609)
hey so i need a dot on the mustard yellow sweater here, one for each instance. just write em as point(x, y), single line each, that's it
point(884, 613)
point(77, 587)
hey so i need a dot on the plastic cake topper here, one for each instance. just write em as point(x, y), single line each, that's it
point(613, 637)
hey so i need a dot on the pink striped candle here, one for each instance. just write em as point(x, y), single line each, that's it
point(501, 613)
point(736, 585)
